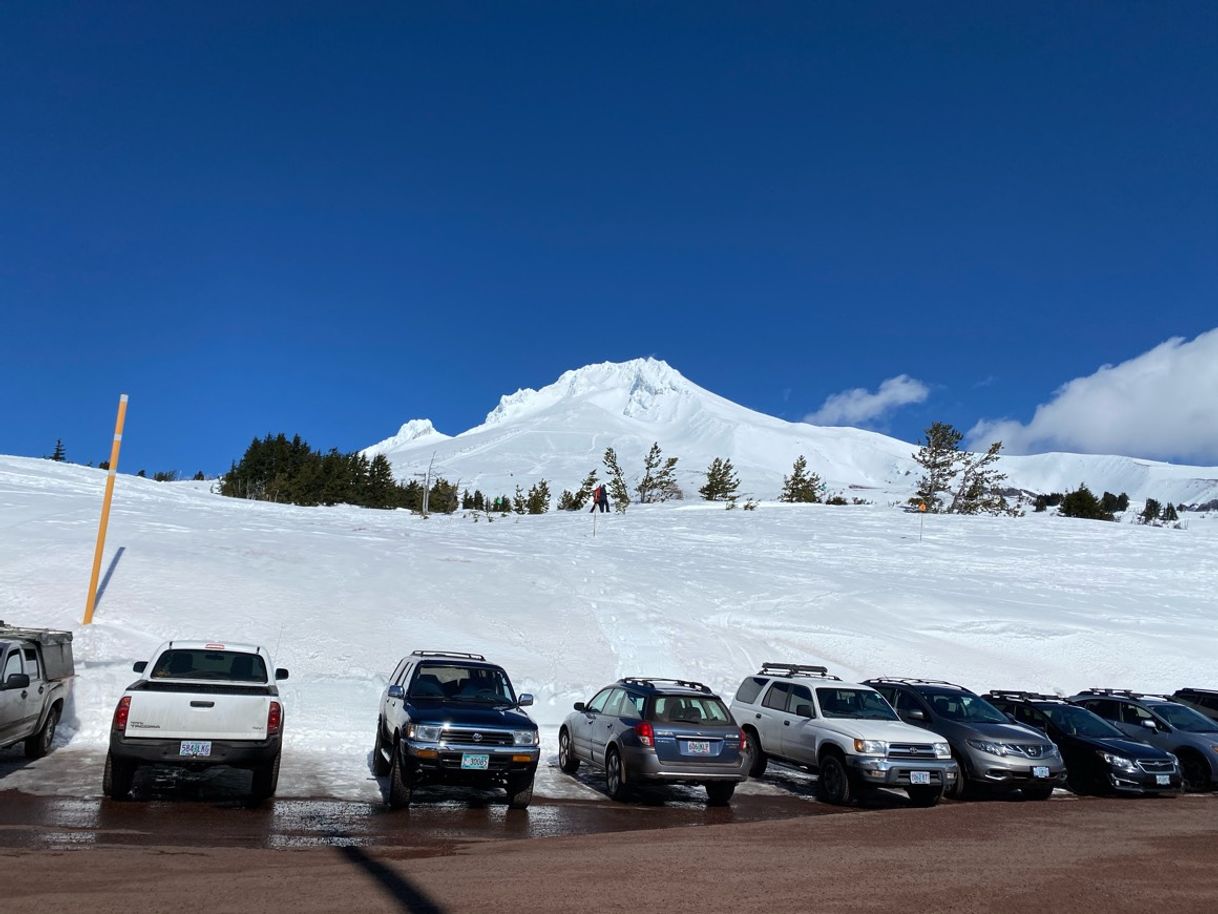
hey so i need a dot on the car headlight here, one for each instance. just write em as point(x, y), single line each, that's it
point(1118, 761)
point(425, 733)
point(987, 746)
point(943, 750)
point(1215, 748)
point(525, 737)
point(871, 747)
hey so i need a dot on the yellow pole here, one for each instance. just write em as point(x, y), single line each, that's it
point(105, 515)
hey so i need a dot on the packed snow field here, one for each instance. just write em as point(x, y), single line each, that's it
point(338, 595)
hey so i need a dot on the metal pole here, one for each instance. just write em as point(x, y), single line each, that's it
point(921, 524)
point(91, 597)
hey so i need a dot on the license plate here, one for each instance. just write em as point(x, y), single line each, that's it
point(1040, 771)
point(919, 777)
point(698, 747)
point(1163, 780)
point(475, 761)
point(193, 749)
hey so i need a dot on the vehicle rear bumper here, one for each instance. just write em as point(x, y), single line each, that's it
point(429, 763)
point(896, 772)
point(234, 753)
point(645, 765)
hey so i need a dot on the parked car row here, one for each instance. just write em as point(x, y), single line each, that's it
point(454, 718)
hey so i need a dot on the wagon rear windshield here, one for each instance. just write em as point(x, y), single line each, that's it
point(225, 666)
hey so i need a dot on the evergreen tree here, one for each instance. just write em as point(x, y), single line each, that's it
point(142, 474)
point(479, 500)
point(939, 458)
point(567, 501)
point(721, 481)
point(104, 465)
point(980, 488)
point(381, 486)
point(802, 486)
point(1168, 515)
point(618, 493)
point(1083, 503)
point(1150, 513)
point(467, 501)
point(165, 476)
point(659, 482)
point(520, 504)
point(583, 494)
point(59, 455)
point(538, 500)
point(505, 504)
point(199, 477)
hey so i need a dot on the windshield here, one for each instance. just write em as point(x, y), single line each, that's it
point(859, 704)
point(456, 682)
point(689, 709)
point(1075, 721)
point(1183, 718)
point(952, 705)
point(227, 666)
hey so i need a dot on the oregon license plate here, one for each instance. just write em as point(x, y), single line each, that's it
point(475, 761)
point(1040, 771)
point(919, 777)
point(194, 749)
point(697, 747)
point(1163, 780)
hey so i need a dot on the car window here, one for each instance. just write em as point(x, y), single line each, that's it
point(632, 705)
point(598, 703)
point(396, 675)
point(1132, 714)
point(404, 673)
point(202, 663)
point(1029, 715)
point(800, 695)
point(905, 702)
point(462, 682)
point(12, 665)
point(776, 698)
point(889, 693)
point(1104, 707)
point(613, 707)
point(31, 662)
point(1185, 718)
point(854, 704)
point(690, 709)
point(750, 689)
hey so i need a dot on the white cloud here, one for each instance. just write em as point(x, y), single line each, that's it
point(1162, 403)
point(858, 406)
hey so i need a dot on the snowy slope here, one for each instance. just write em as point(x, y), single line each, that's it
point(560, 432)
point(338, 594)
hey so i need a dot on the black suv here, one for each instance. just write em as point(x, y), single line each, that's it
point(1099, 757)
point(643, 730)
point(453, 718)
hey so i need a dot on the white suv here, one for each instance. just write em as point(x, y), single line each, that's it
point(847, 732)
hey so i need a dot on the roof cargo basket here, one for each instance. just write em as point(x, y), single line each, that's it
point(458, 655)
point(652, 680)
point(796, 669)
point(1018, 695)
point(56, 648)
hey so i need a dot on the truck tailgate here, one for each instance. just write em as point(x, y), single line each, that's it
point(209, 712)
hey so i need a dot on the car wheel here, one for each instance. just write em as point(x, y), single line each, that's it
point(400, 790)
point(567, 762)
point(1196, 773)
point(266, 781)
point(758, 760)
point(615, 776)
point(1036, 793)
point(835, 783)
point(924, 796)
point(719, 793)
point(117, 778)
point(520, 793)
point(380, 764)
point(959, 789)
point(39, 744)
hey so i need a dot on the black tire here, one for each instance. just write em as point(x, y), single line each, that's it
point(520, 792)
point(836, 786)
point(39, 744)
point(758, 760)
point(924, 796)
point(118, 778)
point(567, 762)
point(720, 793)
point(1196, 773)
point(380, 764)
point(1036, 793)
point(266, 781)
point(400, 790)
point(959, 789)
point(615, 776)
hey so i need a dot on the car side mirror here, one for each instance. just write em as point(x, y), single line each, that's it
point(1150, 725)
point(916, 714)
point(280, 674)
point(525, 700)
point(139, 666)
point(17, 681)
point(803, 710)
point(579, 706)
point(396, 691)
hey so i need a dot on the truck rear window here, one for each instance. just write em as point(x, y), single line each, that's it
point(227, 666)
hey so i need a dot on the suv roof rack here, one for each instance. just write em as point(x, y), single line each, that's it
point(651, 681)
point(910, 680)
point(1017, 695)
point(1124, 693)
point(796, 669)
point(458, 654)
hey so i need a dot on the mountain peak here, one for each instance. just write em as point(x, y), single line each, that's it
point(416, 431)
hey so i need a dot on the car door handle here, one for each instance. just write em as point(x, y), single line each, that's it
point(786, 723)
point(202, 704)
point(40, 690)
point(25, 694)
point(758, 716)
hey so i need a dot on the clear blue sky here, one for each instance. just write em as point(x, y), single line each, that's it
point(330, 218)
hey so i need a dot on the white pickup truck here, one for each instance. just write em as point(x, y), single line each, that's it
point(199, 704)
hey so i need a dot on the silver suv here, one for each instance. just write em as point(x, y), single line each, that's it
point(1165, 723)
point(846, 732)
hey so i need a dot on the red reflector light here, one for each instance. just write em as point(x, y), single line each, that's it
point(121, 713)
point(646, 734)
point(744, 741)
point(213, 647)
point(274, 718)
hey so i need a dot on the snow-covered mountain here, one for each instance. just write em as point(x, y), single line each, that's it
point(560, 432)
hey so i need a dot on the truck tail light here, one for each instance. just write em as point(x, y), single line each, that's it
point(646, 734)
point(274, 718)
point(744, 741)
point(121, 713)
